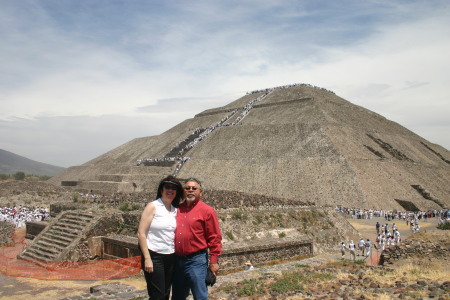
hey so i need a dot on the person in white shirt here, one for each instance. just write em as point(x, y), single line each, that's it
point(397, 237)
point(352, 249)
point(156, 236)
point(249, 266)
point(361, 244)
point(343, 250)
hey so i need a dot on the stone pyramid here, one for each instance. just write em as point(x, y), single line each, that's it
point(294, 142)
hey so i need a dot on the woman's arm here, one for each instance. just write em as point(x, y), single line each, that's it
point(144, 225)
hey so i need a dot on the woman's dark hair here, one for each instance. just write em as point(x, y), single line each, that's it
point(171, 180)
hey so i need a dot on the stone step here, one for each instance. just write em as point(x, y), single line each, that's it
point(63, 233)
point(57, 241)
point(45, 249)
point(111, 177)
point(77, 216)
point(36, 254)
point(50, 244)
point(75, 223)
point(56, 234)
point(67, 228)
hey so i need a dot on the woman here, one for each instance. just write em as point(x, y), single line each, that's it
point(156, 235)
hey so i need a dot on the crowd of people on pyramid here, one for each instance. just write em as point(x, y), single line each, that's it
point(180, 165)
point(161, 159)
point(19, 215)
point(289, 86)
point(249, 106)
point(204, 133)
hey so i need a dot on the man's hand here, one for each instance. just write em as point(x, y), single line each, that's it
point(214, 268)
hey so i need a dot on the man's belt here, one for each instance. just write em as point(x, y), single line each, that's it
point(192, 254)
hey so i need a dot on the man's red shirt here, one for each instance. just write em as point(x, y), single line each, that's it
point(198, 229)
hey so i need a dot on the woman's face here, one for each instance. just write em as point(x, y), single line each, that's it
point(169, 191)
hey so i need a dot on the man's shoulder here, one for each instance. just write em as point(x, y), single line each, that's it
point(202, 204)
point(205, 206)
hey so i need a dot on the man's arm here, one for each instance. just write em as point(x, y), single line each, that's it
point(214, 240)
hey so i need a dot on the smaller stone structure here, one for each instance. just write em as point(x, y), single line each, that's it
point(415, 248)
point(262, 254)
point(34, 228)
point(120, 246)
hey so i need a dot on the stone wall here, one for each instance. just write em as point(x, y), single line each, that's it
point(416, 248)
point(6, 232)
point(219, 199)
point(56, 208)
point(34, 228)
point(263, 254)
point(120, 246)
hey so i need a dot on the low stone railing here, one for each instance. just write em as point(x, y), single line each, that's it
point(415, 248)
point(119, 246)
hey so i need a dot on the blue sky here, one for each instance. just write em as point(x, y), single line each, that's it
point(82, 77)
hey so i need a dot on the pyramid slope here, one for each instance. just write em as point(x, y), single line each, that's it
point(299, 143)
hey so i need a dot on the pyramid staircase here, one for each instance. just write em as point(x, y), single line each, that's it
point(60, 237)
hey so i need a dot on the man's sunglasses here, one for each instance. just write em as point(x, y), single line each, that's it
point(170, 187)
point(187, 188)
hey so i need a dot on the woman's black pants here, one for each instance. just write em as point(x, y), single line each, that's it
point(159, 281)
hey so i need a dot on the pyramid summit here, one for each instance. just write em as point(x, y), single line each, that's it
point(296, 142)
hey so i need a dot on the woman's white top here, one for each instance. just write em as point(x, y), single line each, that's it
point(161, 234)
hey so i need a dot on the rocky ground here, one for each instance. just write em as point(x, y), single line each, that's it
point(321, 277)
point(425, 276)
point(31, 193)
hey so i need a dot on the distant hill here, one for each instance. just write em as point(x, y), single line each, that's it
point(11, 163)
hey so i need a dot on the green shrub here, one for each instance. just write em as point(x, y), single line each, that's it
point(19, 175)
point(258, 219)
point(248, 287)
point(290, 281)
point(135, 206)
point(282, 235)
point(125, 207)
point(120, 227)
point(229, 235)
point(444, 226)
point(239, 215)
point(5, 177)
point(293, 281)
point(76, 197)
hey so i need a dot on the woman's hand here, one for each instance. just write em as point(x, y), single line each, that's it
point(148, 265)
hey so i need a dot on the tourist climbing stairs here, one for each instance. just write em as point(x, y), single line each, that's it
point(179, 150)
point(61, 236)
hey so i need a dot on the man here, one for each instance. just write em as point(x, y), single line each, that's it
point(361, 244)
point(197, 231)
point(352, 249)
point(367, 246)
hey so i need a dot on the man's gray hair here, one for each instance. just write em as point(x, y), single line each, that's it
point(194, 180)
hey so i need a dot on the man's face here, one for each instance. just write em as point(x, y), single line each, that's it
point(192, 191)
